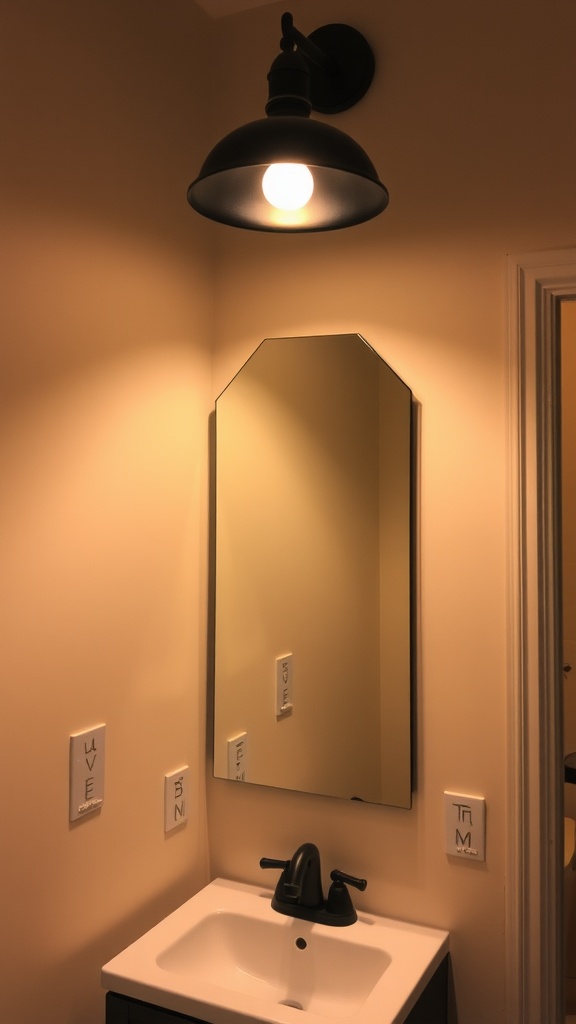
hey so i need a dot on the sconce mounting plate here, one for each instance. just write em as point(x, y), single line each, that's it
point(353, 60)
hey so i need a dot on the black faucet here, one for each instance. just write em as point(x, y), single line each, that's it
point(302, 881)
point(299, 889)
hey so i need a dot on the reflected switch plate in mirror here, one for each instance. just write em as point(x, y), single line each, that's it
point(284, 681)
point(238, 758)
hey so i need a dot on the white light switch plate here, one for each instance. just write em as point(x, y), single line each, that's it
point(465, 819)
point(238, 758)
point(176, 798)
point(284, 674)
point(86, 771)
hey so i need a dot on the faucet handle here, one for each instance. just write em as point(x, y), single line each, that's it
point(339, 876)
point(269, 862)
point(339, 903)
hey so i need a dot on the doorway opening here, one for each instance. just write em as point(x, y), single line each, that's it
point(567, 389)
point(539, 284)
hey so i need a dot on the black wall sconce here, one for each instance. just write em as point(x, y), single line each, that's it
point(287, 172)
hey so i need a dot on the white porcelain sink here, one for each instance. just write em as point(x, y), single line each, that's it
point(278, 960)
point(226, 957)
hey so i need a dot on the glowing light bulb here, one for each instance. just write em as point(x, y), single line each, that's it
point(288, 186)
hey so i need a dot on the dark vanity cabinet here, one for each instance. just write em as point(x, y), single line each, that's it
point(123, 1010)
point(431, 1008)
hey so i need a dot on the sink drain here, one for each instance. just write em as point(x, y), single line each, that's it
point(291, 1002)
point(301, 943)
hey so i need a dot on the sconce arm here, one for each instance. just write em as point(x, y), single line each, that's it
point(292, 37)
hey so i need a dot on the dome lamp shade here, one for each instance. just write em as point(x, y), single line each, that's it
point(287, 172)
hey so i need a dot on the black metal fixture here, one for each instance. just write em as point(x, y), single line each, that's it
point(287, 172)
point(299, 892)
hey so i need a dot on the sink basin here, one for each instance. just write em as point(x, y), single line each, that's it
point(278, 960)
point(226, 957)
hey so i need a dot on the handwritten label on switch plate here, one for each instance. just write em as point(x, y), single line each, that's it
point(87, 772)
point(176, 798)
point(465, 826)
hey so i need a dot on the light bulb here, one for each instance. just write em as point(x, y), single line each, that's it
point(287, 186)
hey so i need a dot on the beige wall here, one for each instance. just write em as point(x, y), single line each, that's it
point(105, 311)
point(465, 123)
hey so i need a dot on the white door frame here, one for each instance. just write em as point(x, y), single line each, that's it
point(537, 284)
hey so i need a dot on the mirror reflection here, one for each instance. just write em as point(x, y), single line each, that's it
point(313, 572)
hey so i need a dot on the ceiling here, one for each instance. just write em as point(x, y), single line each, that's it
point(218, 8)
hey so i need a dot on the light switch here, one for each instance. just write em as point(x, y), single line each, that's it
point(87, 771)
point(284, 679)
point(176, 798)
point(465, 820)
point(238, 758)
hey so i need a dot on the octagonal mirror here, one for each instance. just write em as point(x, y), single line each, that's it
point(313, 645)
